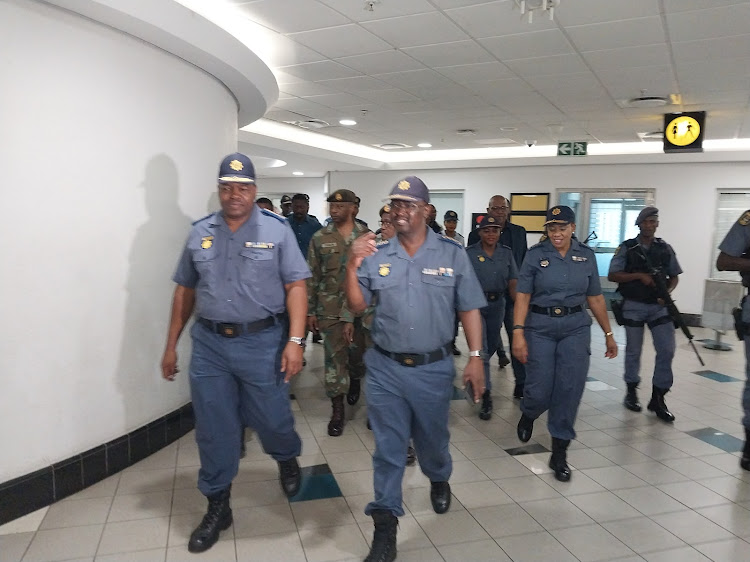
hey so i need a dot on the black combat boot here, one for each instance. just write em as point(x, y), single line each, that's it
point(352, 397)
point(518, 390)
point(525, 428)
point(485, 412)
point(658, 406)
point(336, 425)
point(559, 459)
point(384, 539)
point(290, 476)
point(631, 398)
point(218, 518)
point(745, 460)
point(440, 496)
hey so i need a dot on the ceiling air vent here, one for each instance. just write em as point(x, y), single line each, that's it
point(652, 135)
point(392, 145)
point(644, 100)
point(466, 132)
point(310, 124)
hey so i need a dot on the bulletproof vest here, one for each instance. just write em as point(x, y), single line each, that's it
point(658, 258)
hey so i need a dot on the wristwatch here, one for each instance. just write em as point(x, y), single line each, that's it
point(299, 341)
point(475, 353)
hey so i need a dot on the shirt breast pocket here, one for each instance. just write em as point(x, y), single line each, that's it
point(204, 261)
point(442, 281)
point(330, 258)
point(257, 258)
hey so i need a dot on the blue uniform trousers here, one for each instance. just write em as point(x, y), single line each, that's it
point(663, 333)
point(236, 382)
point(746, 391)
point(492, 321)
point(404, 402)
point(559, 355)
point(519, 369)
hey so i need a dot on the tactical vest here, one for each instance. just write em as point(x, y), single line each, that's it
point(658, 258)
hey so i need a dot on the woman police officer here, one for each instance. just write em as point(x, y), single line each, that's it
point(551, 332)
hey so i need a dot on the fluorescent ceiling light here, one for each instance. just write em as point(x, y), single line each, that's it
point(424, 145)
point(298, 173)
point(347, 122)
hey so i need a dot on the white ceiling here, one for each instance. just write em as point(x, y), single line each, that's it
point(416, 71)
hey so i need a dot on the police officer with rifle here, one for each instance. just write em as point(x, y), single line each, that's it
point(646, 269)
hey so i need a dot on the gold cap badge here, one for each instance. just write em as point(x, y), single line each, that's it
point(491, 219)
point(338, 197)
point(236, 165)
point(556, 211)
point(404, 185)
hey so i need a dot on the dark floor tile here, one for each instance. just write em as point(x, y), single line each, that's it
point(317, 487)
point(718, 439)
point(527, 449)
point(315, 470)
point(718, 377)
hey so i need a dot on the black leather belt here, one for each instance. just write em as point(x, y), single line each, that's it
point(556, 310)
point(417, 359)
point(232, 330)
point(492, 297)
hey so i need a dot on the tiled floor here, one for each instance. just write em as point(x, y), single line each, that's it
point(641, 489)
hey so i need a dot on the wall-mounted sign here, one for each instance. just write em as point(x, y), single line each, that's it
point(572, 148)
point(683, 132)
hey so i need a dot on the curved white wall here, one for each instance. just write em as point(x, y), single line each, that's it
point(109, 149)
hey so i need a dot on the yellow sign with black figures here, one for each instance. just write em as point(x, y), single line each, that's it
point(683, 132)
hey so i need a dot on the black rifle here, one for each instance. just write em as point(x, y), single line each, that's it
point(660, 281)
point(591, 236)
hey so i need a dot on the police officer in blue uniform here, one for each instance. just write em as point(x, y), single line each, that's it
point(552, 331)
point(735, 256)
point(497, 273)
point(632, 267)
point(418, 280)
point(243, 274)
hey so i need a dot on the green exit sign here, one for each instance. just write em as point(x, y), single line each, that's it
point(572, 148)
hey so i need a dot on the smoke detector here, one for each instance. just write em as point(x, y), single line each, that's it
point(310, 124)
point(645, 100)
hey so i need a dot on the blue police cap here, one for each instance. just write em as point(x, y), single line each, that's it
point(645, 213)
point(488, 221)
point(411, 188)
point(450, 216)
point(560, 214)
point(236, 168)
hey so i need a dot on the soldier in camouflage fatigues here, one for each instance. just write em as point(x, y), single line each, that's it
point(343, 334)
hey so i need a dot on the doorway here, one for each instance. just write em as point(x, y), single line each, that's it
point(450, 201)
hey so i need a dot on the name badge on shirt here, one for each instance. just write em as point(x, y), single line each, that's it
point(329, 245)
point(579, 258)
point(261, 245)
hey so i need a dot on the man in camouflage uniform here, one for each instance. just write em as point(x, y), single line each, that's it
point(327, 312)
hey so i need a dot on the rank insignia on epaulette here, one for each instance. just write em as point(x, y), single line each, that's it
point(544, 263)
point(481, 258)
point(617, 251)
point(207, 242)
point(382, 243)
point(745, 218)
point(384, 270)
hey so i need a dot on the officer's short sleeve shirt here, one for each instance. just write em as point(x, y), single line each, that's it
point(417, 297)
point(240, 276)
point(493, 272)
point(553, 280)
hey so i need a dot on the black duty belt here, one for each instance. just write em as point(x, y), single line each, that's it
point(232, 330)
point(556, 310)
point(417, 359)
point(492, 297)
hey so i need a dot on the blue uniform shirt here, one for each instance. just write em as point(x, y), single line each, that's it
point(417, 297)
point(552, 280)
point(304, 231)
point(240, 276)
point(737, 242)
point(494, 271)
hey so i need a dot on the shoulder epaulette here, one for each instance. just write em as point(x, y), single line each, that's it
point(537, 245)
point(744, 220)
point(203, 218)
point(631, 243)
point(445, 238)
point(382, 243)
point(506, 246)
point(274, 215)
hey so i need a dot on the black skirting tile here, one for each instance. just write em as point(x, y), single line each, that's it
point(157, 435)
point(68, 477)
point(94, 464)
point(173, 430)
point(23, 495)
point(118, 455)
point(139, 448)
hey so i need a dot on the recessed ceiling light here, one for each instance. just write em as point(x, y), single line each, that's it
point(298, 173)
point(347, 122)
point(424, 145)
point(508, 128)
point(392, 145)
